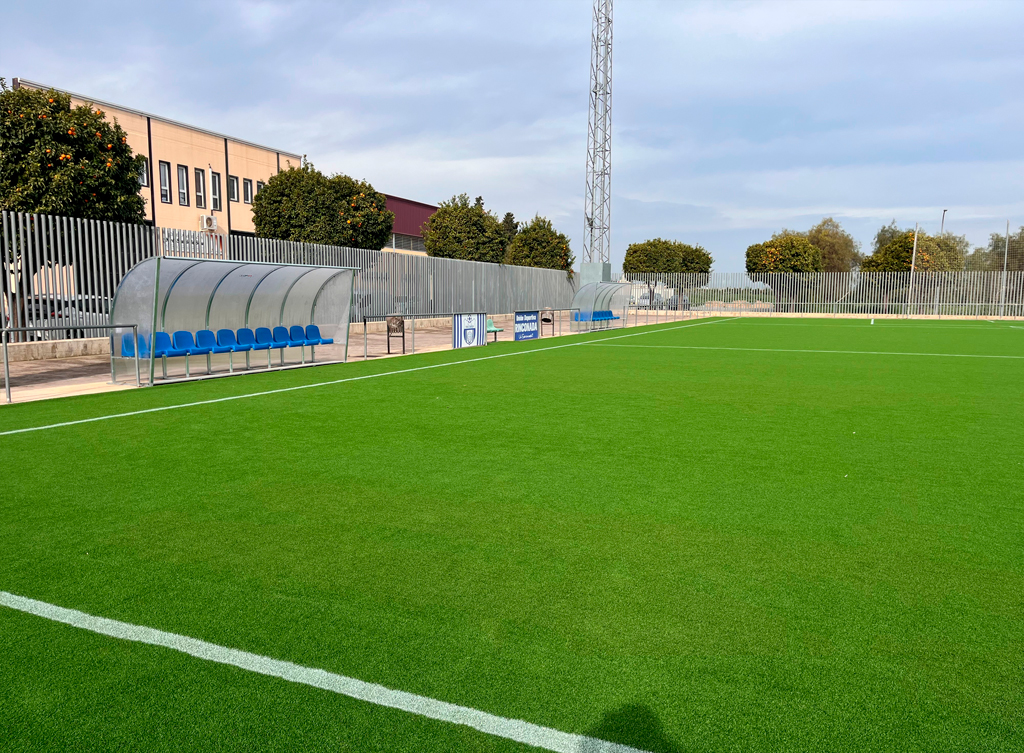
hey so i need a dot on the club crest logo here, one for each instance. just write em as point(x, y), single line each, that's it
point(468, 329)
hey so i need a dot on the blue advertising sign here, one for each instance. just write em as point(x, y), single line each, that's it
point(526, 325)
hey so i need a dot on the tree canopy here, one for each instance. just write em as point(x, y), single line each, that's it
point(839, 251)
point(785, 252)
point(894, 251)
point(460, 230)
point(538, 244)
point(990, 257)
point(303, 204)
point(664, 256)
point(59, 159)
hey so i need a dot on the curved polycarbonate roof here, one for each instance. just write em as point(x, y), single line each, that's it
point(195, 294)
point(602, 296)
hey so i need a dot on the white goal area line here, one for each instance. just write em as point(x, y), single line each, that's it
point(352, 379)
point(796, 350)
point(490, 724)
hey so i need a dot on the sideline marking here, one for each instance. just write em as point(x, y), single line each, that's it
point(349, 379)
point(793, 350)
point(883, 323)
point(490, 724)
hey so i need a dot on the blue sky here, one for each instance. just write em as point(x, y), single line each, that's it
point(731, 120)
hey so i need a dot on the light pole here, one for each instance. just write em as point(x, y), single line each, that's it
point(913, 261)
point(1006, 253)
point(942, 225)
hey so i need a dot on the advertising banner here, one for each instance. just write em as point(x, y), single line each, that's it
point(526, 325)
point(469, 330)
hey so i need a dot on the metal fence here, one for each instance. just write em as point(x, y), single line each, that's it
point(952, 294)
point(61, 271)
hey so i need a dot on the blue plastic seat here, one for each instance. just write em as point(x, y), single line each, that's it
point(264, 338)
point(313, 333)
point(226, 339)
point(246, 339)
point(127, 346)
point(281, 339)
point(163, 348)
point(297, 336)
point(206, 339)
point(183, 340)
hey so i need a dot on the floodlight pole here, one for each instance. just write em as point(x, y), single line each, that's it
point(913, 261)
point(1006, 253)
point(597, 203)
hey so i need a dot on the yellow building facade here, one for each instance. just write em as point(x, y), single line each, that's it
point(194, 179)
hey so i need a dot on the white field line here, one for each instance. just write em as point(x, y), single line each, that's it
point(349, 379)
point(880, 324)
point(794, 350)
point(490, 724)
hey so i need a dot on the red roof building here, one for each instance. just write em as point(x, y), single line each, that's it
point(410, 216)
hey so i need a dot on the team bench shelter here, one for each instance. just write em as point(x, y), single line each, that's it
point(216, 308)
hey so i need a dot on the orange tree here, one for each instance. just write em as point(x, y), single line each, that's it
point(63, 160)
point(303, 204)
point(59, 159)
point(784, 253)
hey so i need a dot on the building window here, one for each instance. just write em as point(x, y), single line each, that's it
point(200, 188)
point(407, 242)
point(144, 173)
point(215, 191)
point(259, 186)
point(183, 185)
point(247, 191)
point(232, 188)
point(165, 182)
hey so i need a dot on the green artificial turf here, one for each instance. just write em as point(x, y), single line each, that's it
point(675, 548)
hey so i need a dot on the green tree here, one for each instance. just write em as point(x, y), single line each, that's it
point(785, 252)
point(886, 235)
point(663, 256)
point(509, 227)
point(460, 230)
point(303, 204)
point(59, 159)
point(990, 258)
point(839, 251)
point(945, 253)
point(538, 244)
point(894, 256)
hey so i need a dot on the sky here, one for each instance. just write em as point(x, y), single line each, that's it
point(731, 121)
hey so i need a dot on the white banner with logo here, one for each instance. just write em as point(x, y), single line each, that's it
point(469, 330)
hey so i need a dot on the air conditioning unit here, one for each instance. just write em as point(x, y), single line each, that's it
point(207, 222)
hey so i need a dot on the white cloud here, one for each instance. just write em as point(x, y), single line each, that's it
point(732, 120)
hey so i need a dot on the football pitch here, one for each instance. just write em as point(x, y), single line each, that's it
point(723, 534)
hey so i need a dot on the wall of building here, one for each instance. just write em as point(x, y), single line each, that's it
point(180, 145)
point(410, 216)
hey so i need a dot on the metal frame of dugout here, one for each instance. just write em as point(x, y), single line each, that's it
point(599, 297)
point(167, 294)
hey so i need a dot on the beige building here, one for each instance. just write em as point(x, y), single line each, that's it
point(192, 174)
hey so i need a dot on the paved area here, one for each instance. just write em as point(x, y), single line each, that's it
point(61, 377)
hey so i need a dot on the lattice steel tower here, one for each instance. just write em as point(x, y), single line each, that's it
point(598, 210)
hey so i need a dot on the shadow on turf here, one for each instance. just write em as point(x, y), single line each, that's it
point(634, 725)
